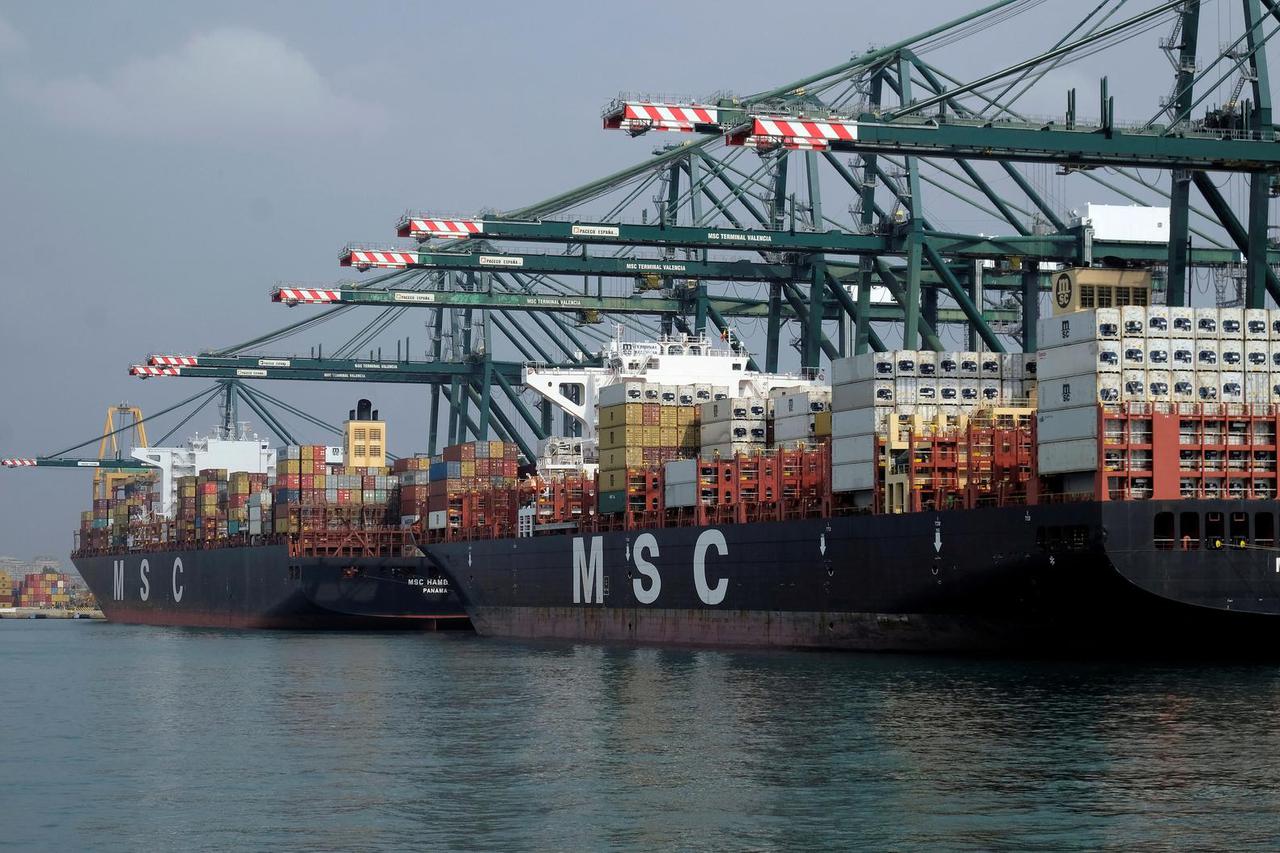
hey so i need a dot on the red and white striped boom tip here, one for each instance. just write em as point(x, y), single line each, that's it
point(638, 116)
point(425, 228)
point(147, 370)
point(172, 361)
point(793, 133)
point(363, 259)
point(18, 463)
point(304, 295)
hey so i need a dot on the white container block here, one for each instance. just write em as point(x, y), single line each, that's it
point(1077, 359)
point(1257, 387)
point(948, 365)
point(1157, 321)
point(680, 471)
point(859, 448)
point(686, 395)
point(1274, 348)
point(868, 392)
point(678, 495)
point(1207, 357)
point(1208, 386)
point(871, 365)
point(969, 362)
point(1133, 353)
point(1067, 424)
point(1062, 457)
point(864, 421)
point(740, 429)
point(1071, 392)
point(856, 477)
point(988, 391)
point(1159, 354)
point(948, 391)
point(795, 428)
point(1206, 322)
point(906, 363)
point(1159, 386)
point(927, 392)
point(1273, 323)
point(1183, 389)
point(756, 407)
point(1231, 323)
point(651, 393)
point(927, 364)
point(629, 391)
point(1097, 324)
point(1029, 365)
point(1133, 321)
point(1231, 354)
point(1182, 353)
point(970, 394)
point(669, 395)
point(905, 390)
point(1011, 390)
point(1133, 386)
point(438, 519)
point(1011, 365)
point(1182, 322)
point(1257, 357)
point(1232, 387)
point(1255, 324)
point(989, 365)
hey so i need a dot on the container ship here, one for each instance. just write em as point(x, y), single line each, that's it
point(1112, 492)
point(229, 532)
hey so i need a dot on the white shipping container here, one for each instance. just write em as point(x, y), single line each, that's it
point(856, 477)
point(1183, 389)
point(907, 390)
point(858, 448)
point(868, 392)
point(1206, 322)
point(968, 368)
point(1207, 354)
point(989, 365)
point(1159, 386)
point(1063, 457)
point(969, 394)
point(1274, 346)
point(1157, 321)
point(864, 421)
point(1076, 359)
point(948, 364)
point(669, 395)
point(1133, 321)
point(1011, 365)
point(1029, 365)
point(1133, 353)
point(906, 363)
point(651, 393)
point(795, 428)
point(1126, 222)
point(1257, 388)
point(1094, 325)
point(628, 391)
point(1182, 322)
point(871, 365)
point(438, 519)
point(949, 391)
point(1182, 353)
point(686, 395)
point(1231, 354)
point(1158, 353)
point(927, 363)
point(1133, 386)
point(1070, 392)
point(738, 429)
point(989, 391)
point(1255, 324)
point(1011, 390)
point(1257, 357)
point(1208, 386)
point(680, 471)
point(1232, 387)
point(1273, 321)
point(1067, 424)
point(1231, 323)
point(680, 494)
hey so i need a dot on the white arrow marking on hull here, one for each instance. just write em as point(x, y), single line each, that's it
point(937, 537)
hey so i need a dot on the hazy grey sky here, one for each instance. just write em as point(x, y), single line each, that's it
point(164, 164)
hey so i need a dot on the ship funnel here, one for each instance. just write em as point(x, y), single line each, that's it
point(363, 409)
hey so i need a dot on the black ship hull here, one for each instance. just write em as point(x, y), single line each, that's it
point(1090, 578)
point(263, 587)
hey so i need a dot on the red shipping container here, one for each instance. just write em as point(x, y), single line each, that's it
point(308, 482)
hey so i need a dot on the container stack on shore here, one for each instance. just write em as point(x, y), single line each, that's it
point(43, 589)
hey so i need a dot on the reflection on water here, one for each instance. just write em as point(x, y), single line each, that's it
point(136, 737)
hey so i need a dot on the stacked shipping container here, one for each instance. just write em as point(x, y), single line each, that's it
point(642, 425)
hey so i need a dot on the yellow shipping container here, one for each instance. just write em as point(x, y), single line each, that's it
point(623, 414)
point(691, 436)
point(468, 467)
point(667, 416)
point(307, 466)
point(686, 415)
point(651, 436)
point(621, 436)
point(612, 481)
point(670, 436)
point(822, 424)
point(318, 481)
point(621, 457)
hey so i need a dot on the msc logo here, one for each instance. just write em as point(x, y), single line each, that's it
point(1062, 290)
